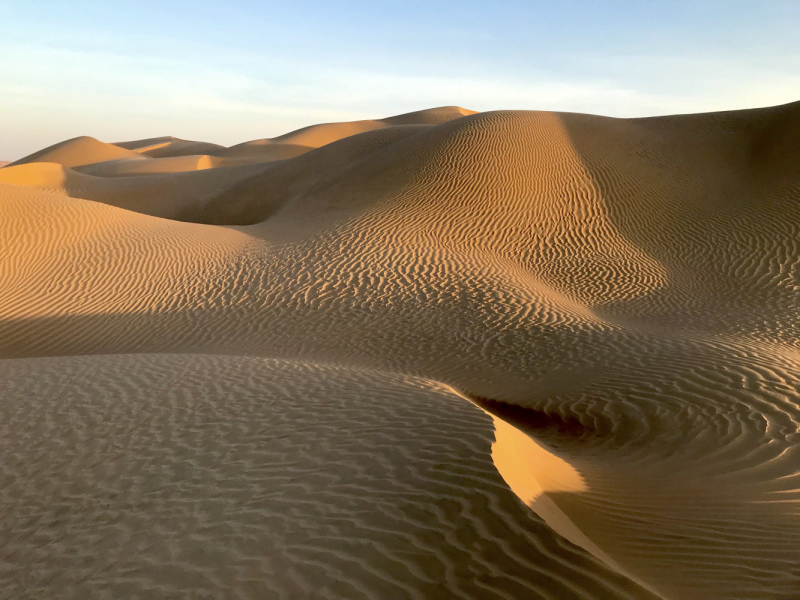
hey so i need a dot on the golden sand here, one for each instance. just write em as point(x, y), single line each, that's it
point(440, 355)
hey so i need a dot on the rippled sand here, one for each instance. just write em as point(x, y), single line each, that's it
point(440, 355)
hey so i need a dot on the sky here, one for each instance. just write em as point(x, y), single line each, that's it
point(232, 71)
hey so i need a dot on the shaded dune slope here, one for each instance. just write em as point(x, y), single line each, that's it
point(170, 147)
point(619, 295)
point(166, 195)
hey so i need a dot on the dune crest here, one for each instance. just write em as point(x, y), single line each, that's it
point(286, 351)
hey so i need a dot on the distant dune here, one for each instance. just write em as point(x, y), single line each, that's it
point(446, 354)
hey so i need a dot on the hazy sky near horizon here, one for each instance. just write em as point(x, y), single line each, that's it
point(233, 71)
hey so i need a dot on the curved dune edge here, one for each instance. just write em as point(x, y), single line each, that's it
point(531, 472)
point(642, 520)
point(534, 474)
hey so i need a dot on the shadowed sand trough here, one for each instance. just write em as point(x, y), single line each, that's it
point(445, 354)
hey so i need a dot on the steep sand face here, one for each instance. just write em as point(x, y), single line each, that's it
point(620, 296)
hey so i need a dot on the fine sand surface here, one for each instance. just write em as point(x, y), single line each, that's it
point(440, 355)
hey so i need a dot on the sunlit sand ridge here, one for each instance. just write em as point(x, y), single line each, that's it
point(445, 354)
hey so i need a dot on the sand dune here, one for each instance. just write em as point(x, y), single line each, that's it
point(514, 354)
point(229, 489)
point(320, 135)
point(128, 168)
point(165, 195)
point(79, 151)
point(290, 144)
point(301, 141)
point(170, 147)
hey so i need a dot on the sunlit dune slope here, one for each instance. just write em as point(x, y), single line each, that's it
point(606, 308)
point(79, 151)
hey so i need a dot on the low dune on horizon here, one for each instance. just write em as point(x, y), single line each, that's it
point(446, 354)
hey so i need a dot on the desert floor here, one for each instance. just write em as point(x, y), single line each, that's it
point(442, 355)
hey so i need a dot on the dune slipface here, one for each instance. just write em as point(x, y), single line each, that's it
point(445, 354)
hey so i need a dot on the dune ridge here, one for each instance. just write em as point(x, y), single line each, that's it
point(558, 353)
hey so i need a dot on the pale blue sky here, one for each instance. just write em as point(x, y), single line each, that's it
point(232, 71)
